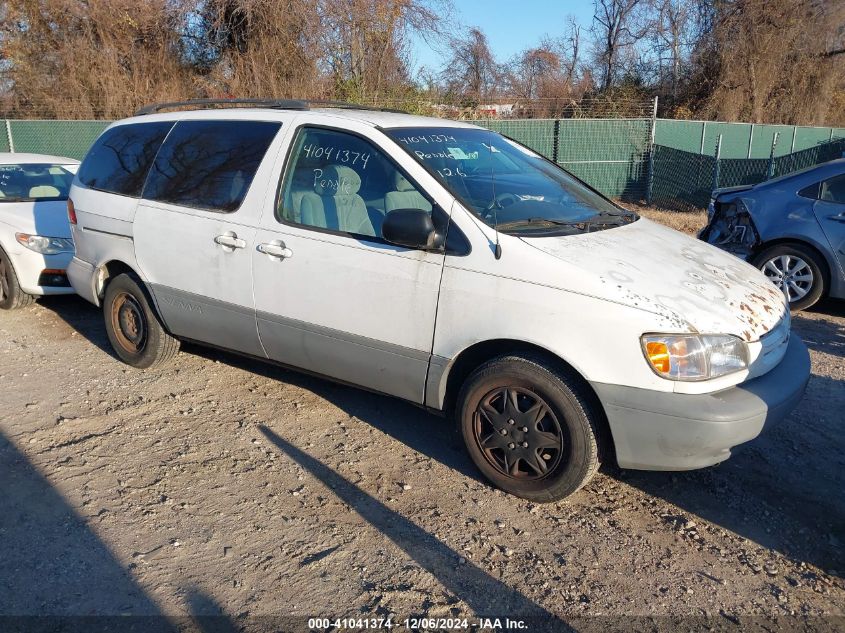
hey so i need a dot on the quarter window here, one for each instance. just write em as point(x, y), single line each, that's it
point(833, 189)
point(209, 164)
point(811, 191)
point(119, 160)
point(341, 182)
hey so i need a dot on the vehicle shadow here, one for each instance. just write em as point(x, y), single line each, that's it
point(415, 427)
point(482, 593)
point(206, 615)
point(85, 318)
point(782, 491)
point(823, 335)
point(424, 432)
point(55, 573)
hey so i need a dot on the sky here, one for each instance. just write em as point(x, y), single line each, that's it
point(510, 25)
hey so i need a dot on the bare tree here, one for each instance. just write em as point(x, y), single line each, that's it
point(671, 34)
point(366, 41)
point(471, 73)
point(778, 61)
point(615, 29)
point(572, 49)
point(97, 59)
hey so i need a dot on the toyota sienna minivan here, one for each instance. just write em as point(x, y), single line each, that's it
point(438, 262)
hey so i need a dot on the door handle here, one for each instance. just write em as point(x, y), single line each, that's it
point(837, 218)
point(229, 241)
point(275, 249)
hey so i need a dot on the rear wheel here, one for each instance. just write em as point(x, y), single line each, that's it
point(134, 331)
point(796, 270)
point(531, 430)
point(11, 295)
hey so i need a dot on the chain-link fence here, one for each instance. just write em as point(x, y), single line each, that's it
point(58, 138)
point(684, 180)
point(609, 154)
point(627, 154)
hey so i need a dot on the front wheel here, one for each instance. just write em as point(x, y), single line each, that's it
point(133, 328)
point(11, 295)
point(796, 270)
point(531, 430)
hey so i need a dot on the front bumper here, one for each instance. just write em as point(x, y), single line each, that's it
point(669, 431)
point(29, 267)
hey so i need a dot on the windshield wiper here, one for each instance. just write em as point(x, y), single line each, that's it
point(530, 221)
point(600, 219)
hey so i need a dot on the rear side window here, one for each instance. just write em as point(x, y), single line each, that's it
point(209, 164)
point(812, 191)
point(833, 190)
point(119, 160)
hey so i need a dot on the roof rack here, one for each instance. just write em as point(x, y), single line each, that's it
point(287, 104)
point(281, 104)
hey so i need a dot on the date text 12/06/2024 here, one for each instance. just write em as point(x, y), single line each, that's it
point(416, 624)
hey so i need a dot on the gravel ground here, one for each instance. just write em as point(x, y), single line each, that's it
point(224, 487)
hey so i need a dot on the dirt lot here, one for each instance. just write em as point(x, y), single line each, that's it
point(224, 487)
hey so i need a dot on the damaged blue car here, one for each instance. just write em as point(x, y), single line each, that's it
point(792, 228)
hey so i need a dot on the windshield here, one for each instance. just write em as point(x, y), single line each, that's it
point(504, 182)
point(34, 182)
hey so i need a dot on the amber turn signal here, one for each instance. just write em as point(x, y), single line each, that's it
point(658, 356)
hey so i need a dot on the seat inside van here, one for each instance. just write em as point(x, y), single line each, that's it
point(334, 203)
point(302, 182)
point(405, 196)
point(44, 191)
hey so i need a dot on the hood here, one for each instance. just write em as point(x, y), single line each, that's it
point(47, 218)
point(729, 190)
point(693, 286)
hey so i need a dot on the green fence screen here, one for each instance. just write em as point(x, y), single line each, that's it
point(60, 138)
point(612, 155)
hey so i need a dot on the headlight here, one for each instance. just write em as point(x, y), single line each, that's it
point(45, 245)
point(694, 356)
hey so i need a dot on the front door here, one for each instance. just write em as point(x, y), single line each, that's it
point(195, 228)
point(830, 211)
point(331, 295)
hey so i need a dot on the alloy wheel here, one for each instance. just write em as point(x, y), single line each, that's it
point(791, 274)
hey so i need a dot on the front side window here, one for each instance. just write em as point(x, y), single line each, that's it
point(34, 182)
point(209, 164)
point(341, 182)
point(119, 160)
point(833, 189)
point(506, 183)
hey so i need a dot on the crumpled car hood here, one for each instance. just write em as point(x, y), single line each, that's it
point(693, 286)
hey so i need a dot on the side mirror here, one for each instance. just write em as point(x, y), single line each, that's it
point(413, 228)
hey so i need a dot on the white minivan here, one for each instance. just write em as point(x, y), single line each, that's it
point(438, 262)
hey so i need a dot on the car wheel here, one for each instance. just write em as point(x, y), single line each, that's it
point(796, 270)
point(134, 331)
point(531, 430)
point(11, 295)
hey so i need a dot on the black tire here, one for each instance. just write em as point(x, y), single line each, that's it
point(772, 259)
point(134, 330)
point(11, 295)
point(501, 444)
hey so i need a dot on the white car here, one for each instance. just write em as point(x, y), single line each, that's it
point(441, 263)
point(35, 240)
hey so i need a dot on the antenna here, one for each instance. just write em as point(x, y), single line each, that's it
point(497, 250)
